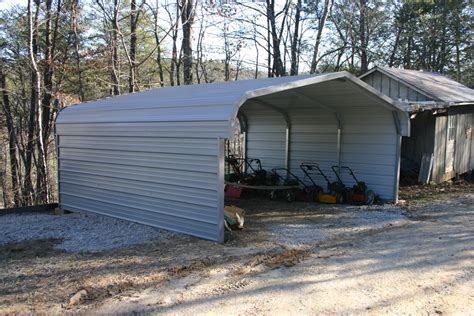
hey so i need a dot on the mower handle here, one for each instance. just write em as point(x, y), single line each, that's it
point(351, 172)
point(307, 166)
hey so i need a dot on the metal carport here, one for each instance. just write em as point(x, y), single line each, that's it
point(157, 157)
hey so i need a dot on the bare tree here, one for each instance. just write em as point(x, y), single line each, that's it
point(112, 19)
point(321, 25)
point(187, 20)
point(12, 147)
point(77, 57)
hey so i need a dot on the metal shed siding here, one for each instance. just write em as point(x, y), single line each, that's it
point(463, 153)
point(122, 171)
point(393, 88)
point(422, 137)
point(463, 143)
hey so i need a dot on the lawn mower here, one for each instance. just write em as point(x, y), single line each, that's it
point(254, 174)
point(300, 192)
point(336, 191)
point(359, 194)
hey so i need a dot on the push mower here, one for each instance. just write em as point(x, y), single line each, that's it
point(359, 194)
point(255, 175)
point(336, 191)
point(301, 192)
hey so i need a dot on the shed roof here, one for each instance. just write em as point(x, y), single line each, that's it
point(205, 102)
point(432, 84)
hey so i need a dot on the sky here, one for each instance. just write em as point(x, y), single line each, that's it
point(212, 40)
point(5, 4)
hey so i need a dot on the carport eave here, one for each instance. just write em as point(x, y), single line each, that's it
point(368, 90)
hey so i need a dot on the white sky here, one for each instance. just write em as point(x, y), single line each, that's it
point(212, 40)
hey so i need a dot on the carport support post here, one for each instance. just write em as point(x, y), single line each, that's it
point(220, 188)
point(339, 143)
point(396, 120)
point(339, 131)
point(287, 146)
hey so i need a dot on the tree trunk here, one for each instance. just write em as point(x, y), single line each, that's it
point(319, 35)
point(12, 149)
point(133, 45)
point(364, 64)
point(34, 102)
point(295, 41)
point(44, 110)
point(395, 47)
point(74, 13)
point(115, 57)
point(278, 68)
point(187, 19)
point(174, 51)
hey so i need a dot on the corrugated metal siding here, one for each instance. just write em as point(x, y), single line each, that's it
point(421, 138)
point(266, 136)
point(168, 182)
point(463, 154)
point(156, 157)
point(369, 146)
point(463, 143)
point(369, 142)
point(393, 88)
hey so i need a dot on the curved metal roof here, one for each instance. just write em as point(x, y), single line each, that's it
point(200, 103)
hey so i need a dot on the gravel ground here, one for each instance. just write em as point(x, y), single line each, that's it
point(79, 232)
point(336, 221)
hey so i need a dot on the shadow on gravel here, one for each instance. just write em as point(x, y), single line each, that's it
point(36, 276)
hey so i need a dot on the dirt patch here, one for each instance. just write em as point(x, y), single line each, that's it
point(30, 249)
point(417, 258)
point(426, 193)
point(287, 258)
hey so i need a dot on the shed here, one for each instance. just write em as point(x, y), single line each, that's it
point(157, 157)
point(442, 117)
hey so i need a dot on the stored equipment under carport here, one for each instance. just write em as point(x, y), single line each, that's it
point(253, 175)
point(335, 193)
point(300, 190)
point(359, 193)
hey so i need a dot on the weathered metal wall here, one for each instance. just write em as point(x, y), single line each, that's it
point(422, 137)
point(393, 88)
point(463, 153)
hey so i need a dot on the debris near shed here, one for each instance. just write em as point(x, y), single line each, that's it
point(233, 218)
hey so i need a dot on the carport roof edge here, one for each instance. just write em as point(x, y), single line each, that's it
point(204, 102)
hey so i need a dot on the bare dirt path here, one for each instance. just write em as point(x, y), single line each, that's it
point(298, 257)
point(422, 266)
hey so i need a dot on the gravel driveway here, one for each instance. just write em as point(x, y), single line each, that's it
point(77, 232)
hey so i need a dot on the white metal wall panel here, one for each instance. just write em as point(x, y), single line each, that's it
point(313, 137)
point(167, 182)
point(368, 145)
point(266, 136)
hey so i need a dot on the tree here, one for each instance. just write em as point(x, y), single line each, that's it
point(187, 19)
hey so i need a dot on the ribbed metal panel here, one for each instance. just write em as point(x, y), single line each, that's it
point(167, 182)
point(266, 136)
point(368, 143)
point(156, 157)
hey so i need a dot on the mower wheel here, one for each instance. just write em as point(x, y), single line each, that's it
point(290, 196)
point(273, 195)
point(370, 197)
